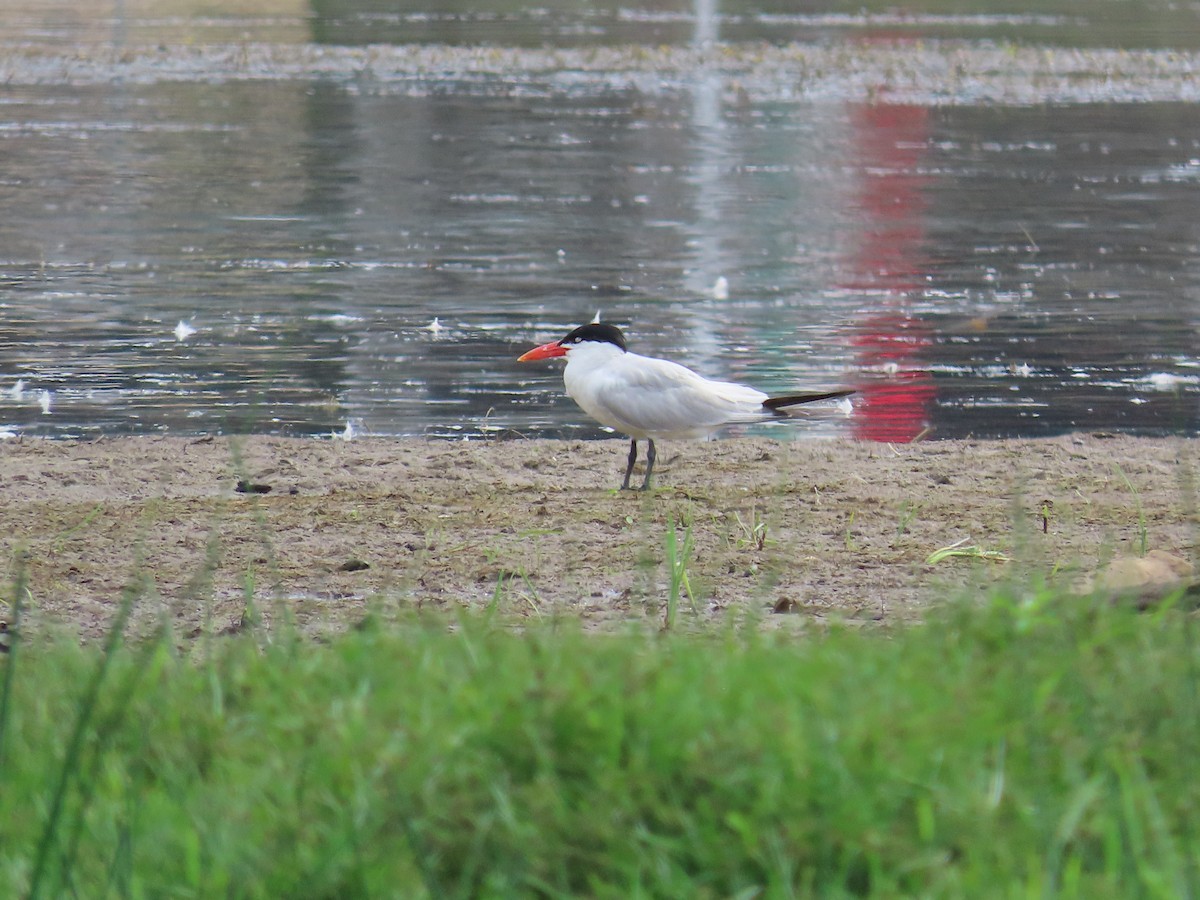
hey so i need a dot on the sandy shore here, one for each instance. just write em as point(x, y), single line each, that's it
point(795, 533)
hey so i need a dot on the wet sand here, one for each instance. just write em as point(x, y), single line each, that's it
point(927, 72)
point(792, 534)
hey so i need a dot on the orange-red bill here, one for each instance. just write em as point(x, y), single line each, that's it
point(546, 351)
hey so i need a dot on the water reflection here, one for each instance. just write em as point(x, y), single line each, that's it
point(887, 261)
point(975, 270)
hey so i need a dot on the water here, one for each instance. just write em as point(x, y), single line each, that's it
point(990, 253)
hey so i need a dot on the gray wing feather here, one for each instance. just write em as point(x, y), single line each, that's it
point(661, 397)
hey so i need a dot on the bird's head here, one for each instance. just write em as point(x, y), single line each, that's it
point(594, 334)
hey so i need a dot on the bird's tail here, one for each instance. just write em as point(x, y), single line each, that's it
point(780, 405)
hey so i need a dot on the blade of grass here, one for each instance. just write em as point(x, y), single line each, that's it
point(1137, 502)
point(678, 559)
point(86, 709)
point(19, 589)
point(100, 738)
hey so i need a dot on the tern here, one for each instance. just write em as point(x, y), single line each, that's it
point(655, 399)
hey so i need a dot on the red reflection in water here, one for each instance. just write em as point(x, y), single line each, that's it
point(896, 391)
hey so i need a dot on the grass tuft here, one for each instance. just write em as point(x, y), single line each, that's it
point(1141, 513)
point(678, 557)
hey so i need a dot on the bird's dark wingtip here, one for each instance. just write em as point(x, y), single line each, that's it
point(776, 404)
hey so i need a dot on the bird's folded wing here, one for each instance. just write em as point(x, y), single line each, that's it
point(663, 397)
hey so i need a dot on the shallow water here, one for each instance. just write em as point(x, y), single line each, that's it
point(219, 224)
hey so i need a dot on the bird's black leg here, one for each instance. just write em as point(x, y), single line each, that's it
point(629, 467)
point(650, 454)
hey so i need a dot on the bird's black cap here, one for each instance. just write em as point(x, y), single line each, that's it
point(601, 332)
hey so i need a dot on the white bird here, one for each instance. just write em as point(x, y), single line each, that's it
point(654, 399)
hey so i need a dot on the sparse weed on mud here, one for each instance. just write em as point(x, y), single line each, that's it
point(1141, 513)
point(752, 531)
point(678, 557)
point(908, 512)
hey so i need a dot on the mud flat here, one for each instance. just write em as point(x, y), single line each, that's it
point(933, 72)
point(791, 534)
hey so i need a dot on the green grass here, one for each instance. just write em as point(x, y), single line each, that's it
point(1022, 746)
point(1141, 513)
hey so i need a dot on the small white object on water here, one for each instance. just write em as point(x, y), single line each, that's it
point(347, 434)
point(46, 400)
point(435, 327)
point(845, 406)
point(596, 320)
point(341, 320)
point(183, 331)
point(720, 288)
point(17, 391)
point(1164, 381)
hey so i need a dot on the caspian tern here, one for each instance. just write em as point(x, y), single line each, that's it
point(654, 399)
